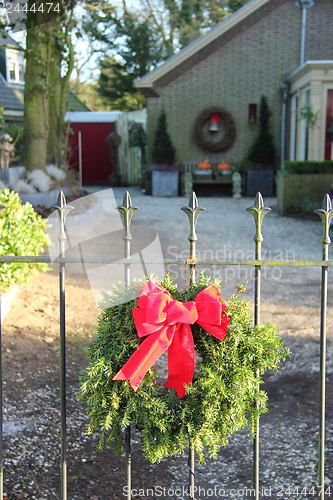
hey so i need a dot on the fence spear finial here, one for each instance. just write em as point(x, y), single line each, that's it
point(326, 214)
point(62, 211)
point(258, 211)
point(192, 211)
point(126, 211)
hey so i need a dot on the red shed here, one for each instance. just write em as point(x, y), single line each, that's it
point(92, 127)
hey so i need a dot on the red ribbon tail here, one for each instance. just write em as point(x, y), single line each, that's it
point(145, 356)
point(181, 360)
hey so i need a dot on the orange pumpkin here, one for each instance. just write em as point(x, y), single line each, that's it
point(204, 165)
point(223, 166)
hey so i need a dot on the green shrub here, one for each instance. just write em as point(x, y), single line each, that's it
point(262, 151)
point(163, 149)
point(22, 232)
point(307, 167)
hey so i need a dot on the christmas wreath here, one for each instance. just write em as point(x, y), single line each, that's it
point(203, 406)
point(223, 136)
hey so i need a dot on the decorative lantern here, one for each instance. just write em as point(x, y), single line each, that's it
point(214, 123)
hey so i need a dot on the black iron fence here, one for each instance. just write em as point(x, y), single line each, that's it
point(192, 211)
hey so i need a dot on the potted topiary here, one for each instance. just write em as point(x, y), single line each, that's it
point(261, 156)
point(165, 174)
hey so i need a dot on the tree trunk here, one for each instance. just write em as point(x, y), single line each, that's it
point(48, 32)
point(35, 93)
point(54, 95)
point(58, 88)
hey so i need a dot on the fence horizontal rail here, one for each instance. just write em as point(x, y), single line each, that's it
point(136, 260)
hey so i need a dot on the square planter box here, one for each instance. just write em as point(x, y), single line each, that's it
point(165, 183)
point(12, 174)
point(301, 192)
point(47, 200)
point(260, 180)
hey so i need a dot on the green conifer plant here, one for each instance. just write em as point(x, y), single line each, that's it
point(223, 397)
point(263, 152)
point(163, 150)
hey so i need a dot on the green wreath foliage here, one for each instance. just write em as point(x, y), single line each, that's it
point(219, 141)
point(223, 397)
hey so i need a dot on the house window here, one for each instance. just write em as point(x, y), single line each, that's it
point(15, 66)
point(293, 127)
point(329, 126)
point(21, 72)
point(12, 71)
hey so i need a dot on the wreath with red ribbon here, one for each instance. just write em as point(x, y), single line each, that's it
point(214, 352)
point(224, 135)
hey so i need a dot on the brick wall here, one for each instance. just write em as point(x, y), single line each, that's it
point(235, 74)
point(319, 35)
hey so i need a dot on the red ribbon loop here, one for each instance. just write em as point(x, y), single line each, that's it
point(215, 118)
point(166, 323)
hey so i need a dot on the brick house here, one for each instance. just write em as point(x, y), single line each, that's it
point(282, 49)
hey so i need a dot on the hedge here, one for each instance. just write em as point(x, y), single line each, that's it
point(307, 167)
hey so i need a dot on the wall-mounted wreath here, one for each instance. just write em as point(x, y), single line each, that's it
point(224, 134)
point(202, 405)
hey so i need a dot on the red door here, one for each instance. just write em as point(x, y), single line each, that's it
point(329, 116)
point(96, 159)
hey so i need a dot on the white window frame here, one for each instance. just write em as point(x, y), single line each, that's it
point(16, 58)
point(294, 126)
point(304, 141)
point(21, 74)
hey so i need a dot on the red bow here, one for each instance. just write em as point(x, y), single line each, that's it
point(167, 323)
point(215, 118)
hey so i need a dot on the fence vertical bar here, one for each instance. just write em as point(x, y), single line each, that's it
point(258, 211)
point(326, 214)
point(1, 411)
point(126, 211)
point(192, 211)
point(62, 210)
point(1, 401)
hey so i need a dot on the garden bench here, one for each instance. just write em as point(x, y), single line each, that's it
point(191, 176)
